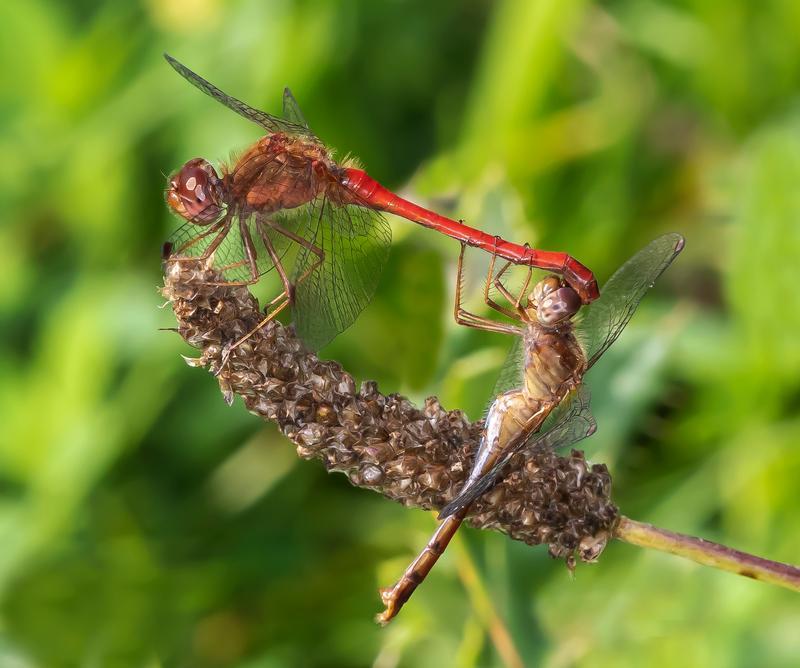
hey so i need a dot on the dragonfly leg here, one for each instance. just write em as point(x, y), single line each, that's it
point(212, 247)
point(282, 299)
point(250, 259)
point(222, 227)
point(524, 289)
point(500, 309)
point(467, 319)
point(276, 261)
point(286, 296)
point(514, 301)
point(228, 350)
point(211, 230)
point(395, 597)
point(487, 298)
point(305, 243)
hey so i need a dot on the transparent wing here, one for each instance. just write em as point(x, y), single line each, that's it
point(231, 258)
point(570, 422)
point(267, 121)
point(192, 240)
point(332, 291)
point(602, 321)
point(511, 371)
point(291, 110)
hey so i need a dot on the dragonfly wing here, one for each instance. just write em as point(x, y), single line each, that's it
point(267, 121)
point(602, 321)
point(330, 293)
point(291, 110)
point(231, 258)
point(510, 372)
point(571, 421)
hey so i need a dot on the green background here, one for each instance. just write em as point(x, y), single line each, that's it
point(145, 523)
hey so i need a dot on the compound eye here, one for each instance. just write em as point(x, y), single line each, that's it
point(545, 287)
point(558, 306)
point(192, 182)
point(195, 179)
point(194, 191)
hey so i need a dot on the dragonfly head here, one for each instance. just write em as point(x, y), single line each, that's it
point(194, 192)
point(552, 302)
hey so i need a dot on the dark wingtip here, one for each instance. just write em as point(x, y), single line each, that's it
point(445, 512)
point(174, 63)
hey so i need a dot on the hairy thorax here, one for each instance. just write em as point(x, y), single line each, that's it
point(554, 362)
point(279, 172)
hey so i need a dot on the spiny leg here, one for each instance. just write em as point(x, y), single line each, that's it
point(191, 242)
point(283, 295)
point(227, 353)
point(223, 227)
point(288, 288)
point(514, 301)
point(524, 290)
point(488, 300)
point(305, 243)
point(287, 294)
point(514, 315)
point(467, 319)
point(250, 258)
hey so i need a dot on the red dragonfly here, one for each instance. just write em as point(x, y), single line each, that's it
point(541, 401)
point(286, 190)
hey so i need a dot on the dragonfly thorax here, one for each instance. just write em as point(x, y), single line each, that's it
point(195, 192)
point(278, 172)
point(554, 362)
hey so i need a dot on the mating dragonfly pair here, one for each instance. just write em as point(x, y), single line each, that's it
point(286, 205)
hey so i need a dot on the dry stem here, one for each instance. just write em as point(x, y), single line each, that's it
point(418, 457)
point(708, 553)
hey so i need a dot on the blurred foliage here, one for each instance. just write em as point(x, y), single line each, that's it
point(144, 523)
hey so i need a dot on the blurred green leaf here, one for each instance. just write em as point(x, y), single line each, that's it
point(145, 523)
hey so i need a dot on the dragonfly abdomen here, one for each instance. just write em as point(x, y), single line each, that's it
point(509, 415)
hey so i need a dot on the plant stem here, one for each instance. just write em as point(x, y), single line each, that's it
point(484, 607)
point(708, 553)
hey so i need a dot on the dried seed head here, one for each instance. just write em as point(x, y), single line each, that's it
point(417, 456)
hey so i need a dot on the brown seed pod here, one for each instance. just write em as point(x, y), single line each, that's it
point(419, 457)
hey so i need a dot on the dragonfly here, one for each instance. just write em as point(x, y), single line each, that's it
point(287, 191)
point(541, 401)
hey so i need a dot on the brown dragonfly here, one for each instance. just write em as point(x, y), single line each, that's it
point(286, 204)
point(557, 342)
